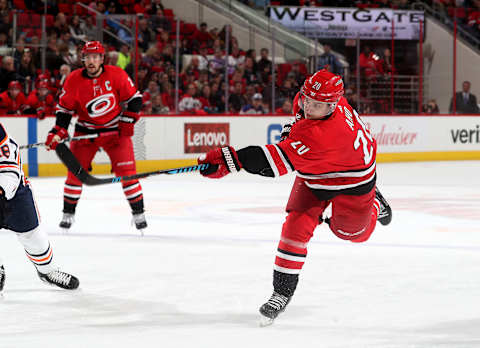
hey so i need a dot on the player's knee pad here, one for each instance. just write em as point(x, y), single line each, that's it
point(299, 226)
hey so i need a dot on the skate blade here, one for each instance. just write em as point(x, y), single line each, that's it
point(265, 321)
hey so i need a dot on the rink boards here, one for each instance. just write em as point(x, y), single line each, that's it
point(172, 141)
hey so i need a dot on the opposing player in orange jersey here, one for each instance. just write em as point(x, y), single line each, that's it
point(334, 156)
point(105, 99)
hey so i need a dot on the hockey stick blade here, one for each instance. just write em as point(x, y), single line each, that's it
point(71, 162)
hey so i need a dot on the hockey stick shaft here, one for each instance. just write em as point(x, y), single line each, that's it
point(79, 137)
point(67, 157)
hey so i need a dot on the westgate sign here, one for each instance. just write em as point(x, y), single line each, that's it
point(352, 23)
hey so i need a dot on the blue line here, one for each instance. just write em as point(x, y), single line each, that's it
point(32, 153)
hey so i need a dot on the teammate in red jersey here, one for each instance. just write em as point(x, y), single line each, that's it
point(97, 93)
point(334, 156)
point(13, 101)
point(40, 101)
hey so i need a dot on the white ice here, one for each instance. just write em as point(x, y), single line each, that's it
point(204, 267)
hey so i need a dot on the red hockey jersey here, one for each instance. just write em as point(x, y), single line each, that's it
point(333, 154)
point(97, 101)
point(12, 106)
point(46, 105)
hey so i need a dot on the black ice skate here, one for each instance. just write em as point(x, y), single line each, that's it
point(139, 221)
point(2, 277)
point(385, 214)
point(272, 308)
point(67, 221)
point(61, 279)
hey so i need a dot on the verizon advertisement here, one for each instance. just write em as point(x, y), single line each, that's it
point(202, 137)
point(351, 23)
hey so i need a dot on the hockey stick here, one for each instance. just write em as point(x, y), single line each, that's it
point(79, 137)
point(70, 161)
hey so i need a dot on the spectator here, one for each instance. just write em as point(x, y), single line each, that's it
point(223, 35)
point(65, 70)
point(215, 97)
point(249, 93)
point(26, 69)
point(18, 52)
point(142, 7)
point(53, 58)
point(157, 106)
point(155, 5)
point(237, 76)
point(236, 57)
point(168, 96)
point(202, 37)
point(385, 63)
point(251, 53)
point(466, 102)
point(264, 67)
point(185, 47)
point(255, 107)
point(124, 35)
point(202, 80)
point(297, 75)
point(143, 77)
point(124, 56)
point(288, 90)
point(89, 27)
point(159, 22)
point(153, 89)
point(65, 54)
point(286, 108)
point(13, 101)
point(205, 99)
point(236, 100)
point(145, 35)
point(329, 61)
point(368, 63)
point(249, 72)
point(431, 107)
point(40, 102)
point(217, 63)
point(189, 103)
point(264, 64)
point(59, 26)
point(7, 72)
point(202, 57)
point(77, 31)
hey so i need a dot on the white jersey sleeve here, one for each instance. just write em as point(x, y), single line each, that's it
point(11, 172)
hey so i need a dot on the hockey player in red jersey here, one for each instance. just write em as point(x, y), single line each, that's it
point(334, 156)
point(13, 101)
point(40, 101)
point(96, 93)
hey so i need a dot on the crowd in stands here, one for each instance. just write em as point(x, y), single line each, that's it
point(202, 83)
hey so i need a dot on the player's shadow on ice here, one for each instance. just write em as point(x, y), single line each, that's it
point(93, 310)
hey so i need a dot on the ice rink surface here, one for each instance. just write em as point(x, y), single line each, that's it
point(198, 276)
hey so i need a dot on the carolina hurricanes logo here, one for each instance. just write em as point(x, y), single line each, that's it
point(101, 105)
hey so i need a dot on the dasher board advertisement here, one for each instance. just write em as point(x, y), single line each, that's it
point(350, 23)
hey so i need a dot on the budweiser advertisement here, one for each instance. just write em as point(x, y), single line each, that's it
point(202, 137)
